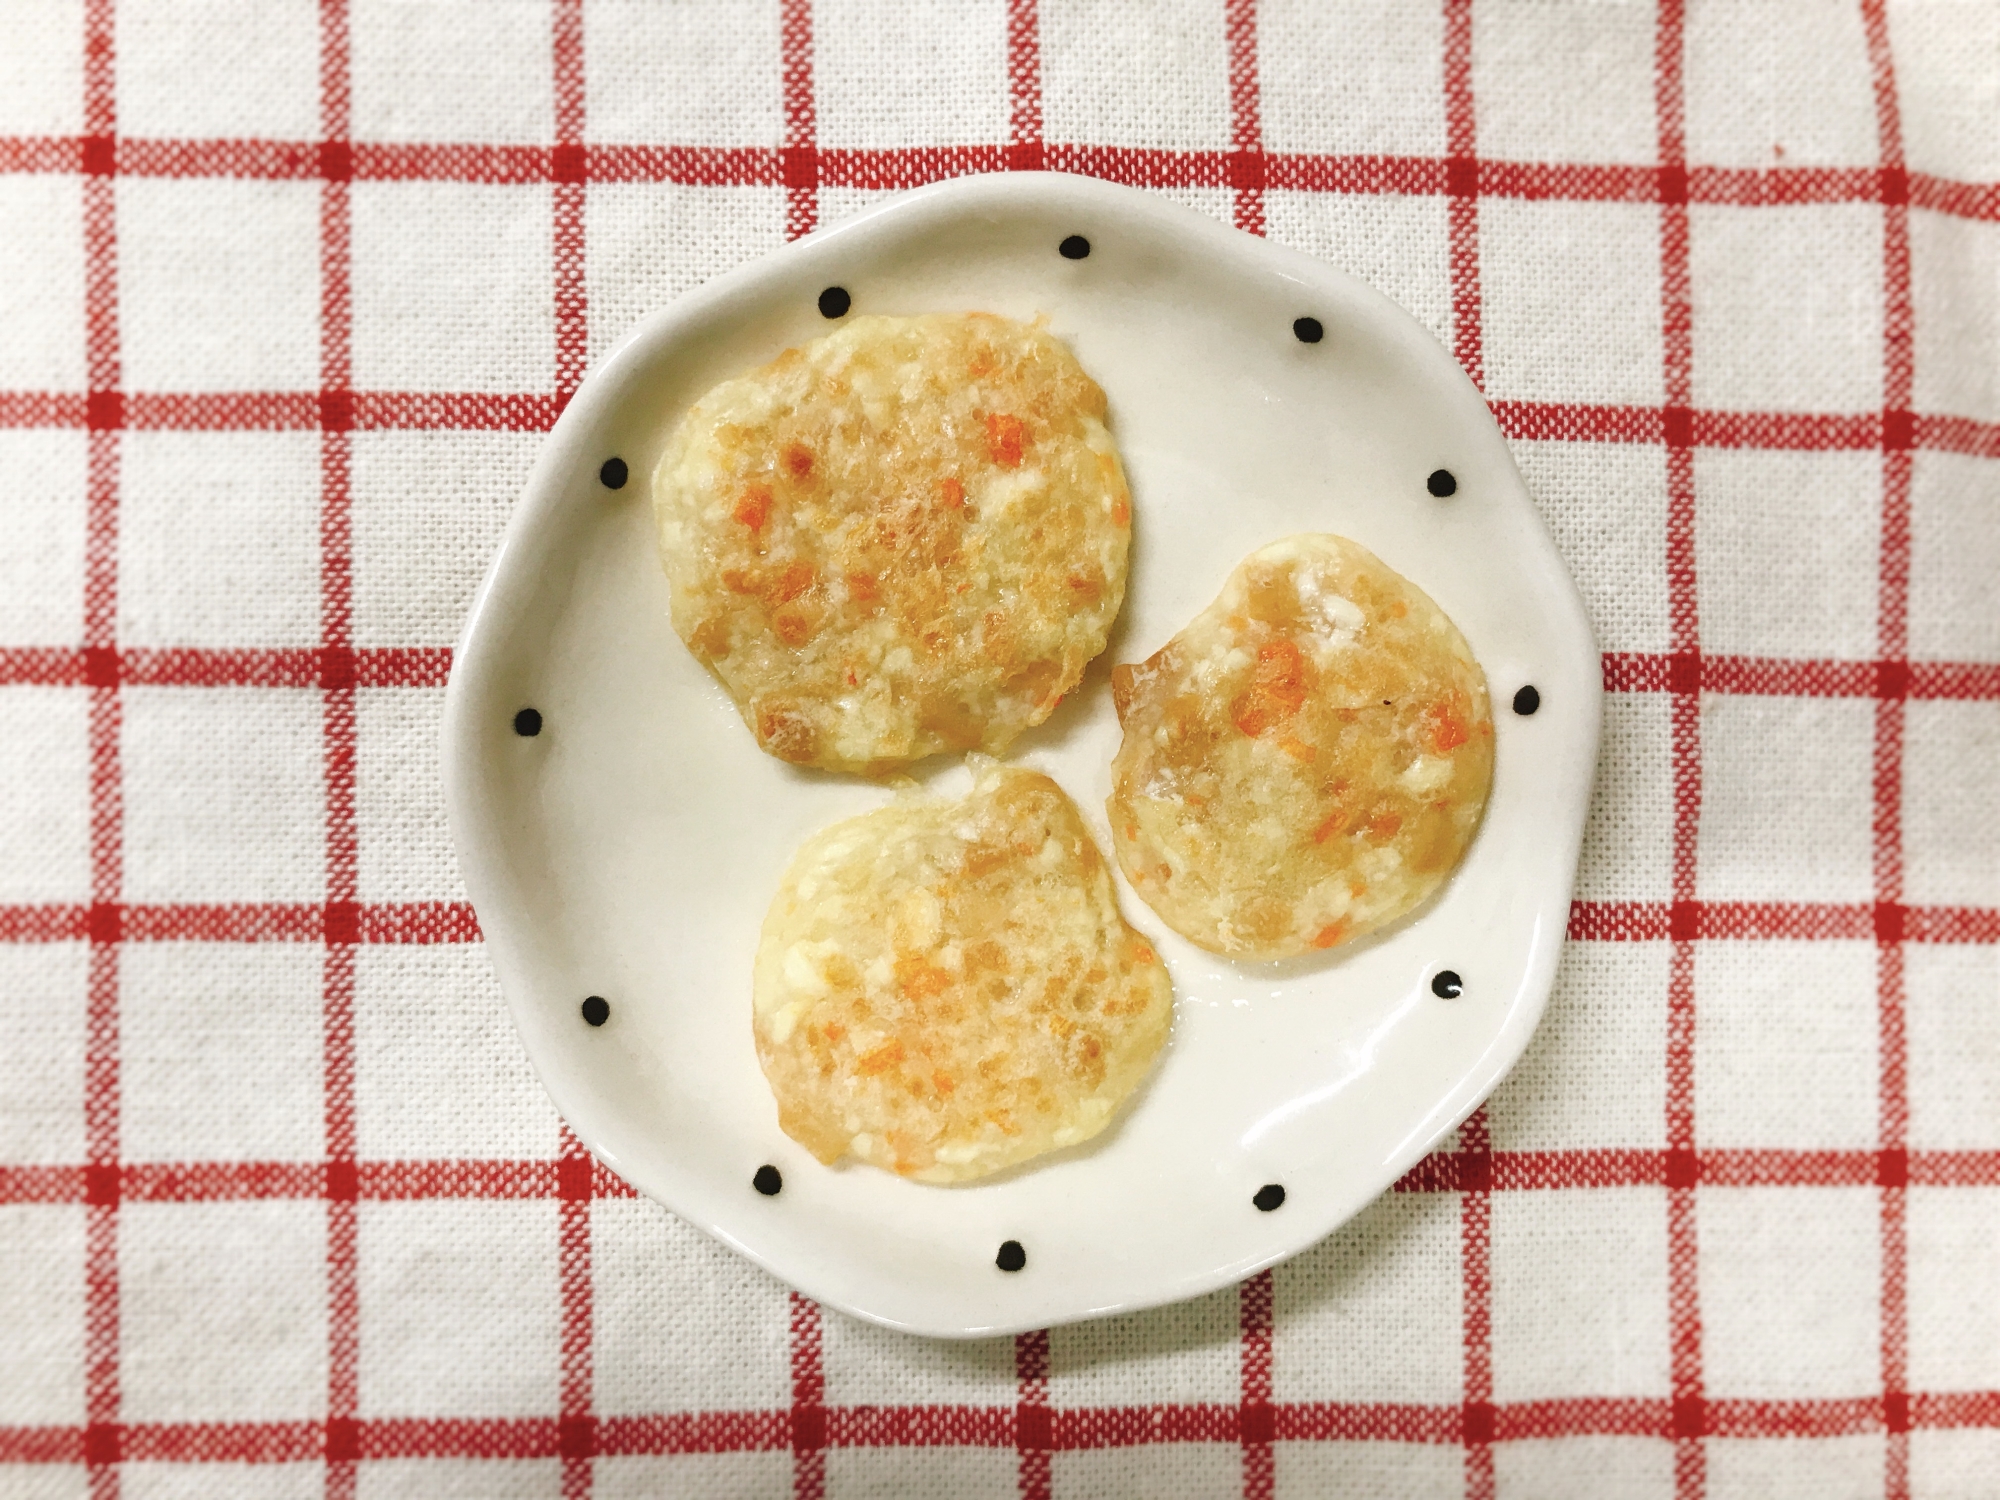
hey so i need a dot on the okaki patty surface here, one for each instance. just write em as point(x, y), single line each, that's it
point(1306, 761)
point(906, 537)
point(945, 988)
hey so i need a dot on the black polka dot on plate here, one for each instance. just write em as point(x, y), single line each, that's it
point(1446, 984)
point(1076, 247)
point(1011, 1257)
point(597, 1010)
point(614, 474)
point(767, 1181)
point(1271, 1195)
point(528, 723)
point(1527, 701)
point(834, 302)
point(1442, 483)
point(1308, 330)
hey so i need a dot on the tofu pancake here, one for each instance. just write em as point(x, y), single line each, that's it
point(945, 988)
point(1306, 761)
point(906, 537)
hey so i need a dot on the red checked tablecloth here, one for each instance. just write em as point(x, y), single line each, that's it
point(289, 291)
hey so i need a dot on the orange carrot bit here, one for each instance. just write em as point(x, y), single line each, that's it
point(798, 460)
point(943, 1083)
point(754, 509)
point(793, 582)
point(919, 980)
point(1250, 715)
point(1330, 934)
point(1298, 749)
point(863, 586)
point(1121, 513)
point(1382, 827)
point(852, 678)
point(1281, 673)
point(880, 1059)
point(1005, 438)
point(1448, 731)
point(951, 493)
point(793, 628)
point(1336, 822)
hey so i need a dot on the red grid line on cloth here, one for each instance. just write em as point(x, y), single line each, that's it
point(455, 922)
point(465, 411)
point(1034, 1429)
point(1469, 1169)
point(911, 166)
point(1024, 88)
point(430, 666)
point(1256, 1428)
point(577, 1425)
point(1461, 185)
point(102, 1385)
point(1067, 1430)
point(800, 167)
point(809, 1433)
point(1244, 167)
point(1892, 646)
point(1689, 1413)
point(342, 922)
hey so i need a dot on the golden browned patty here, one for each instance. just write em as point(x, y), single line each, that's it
point(945, 988)
point(908, 536)
point(1306, 761)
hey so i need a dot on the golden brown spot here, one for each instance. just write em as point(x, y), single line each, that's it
point(798, 460)
point(951, 494)
point(753, 509)
point(919, 980)
point(787, 733)
point(880, 1059)
point(711, 638)
point(792, 626)
point(794, 581)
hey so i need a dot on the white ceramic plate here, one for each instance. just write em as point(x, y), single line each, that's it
point(630, 848)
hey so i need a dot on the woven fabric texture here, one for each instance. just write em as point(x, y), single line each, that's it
point(289, 290)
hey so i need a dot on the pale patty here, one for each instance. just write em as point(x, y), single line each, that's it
point(945, 988)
